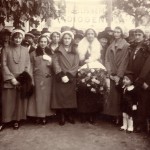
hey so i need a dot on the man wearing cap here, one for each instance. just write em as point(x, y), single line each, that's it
point(78, 36)
point(29, 38)
point(139, 55)
point(37, 34)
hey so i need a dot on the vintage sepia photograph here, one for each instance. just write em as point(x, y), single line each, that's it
point(74, 74)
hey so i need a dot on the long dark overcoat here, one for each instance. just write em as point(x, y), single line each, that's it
point(65, 63)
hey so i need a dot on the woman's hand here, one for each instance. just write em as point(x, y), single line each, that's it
point(14, 82)
point(65, 79)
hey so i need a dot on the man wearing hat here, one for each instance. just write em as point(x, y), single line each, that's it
point(139, 55)
point(65, 28)
point(37, 34)
point(29, 39)
point(78, 36)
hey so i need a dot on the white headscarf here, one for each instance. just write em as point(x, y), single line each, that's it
point(95, 51)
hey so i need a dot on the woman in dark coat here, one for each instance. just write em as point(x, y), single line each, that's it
point(15, 60)
point(139, 65)
point(116, 61)
point(41, 62)
point(65, 65)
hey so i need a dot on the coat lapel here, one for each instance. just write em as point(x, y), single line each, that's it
point(68, 58)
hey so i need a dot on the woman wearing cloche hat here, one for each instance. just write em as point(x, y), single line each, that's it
point(65, 64)
point(15, 60)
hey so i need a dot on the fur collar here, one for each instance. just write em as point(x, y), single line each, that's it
point(39, 51)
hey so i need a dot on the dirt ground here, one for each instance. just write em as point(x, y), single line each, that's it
point(101, 136)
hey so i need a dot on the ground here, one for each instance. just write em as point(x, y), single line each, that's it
point(101, 136)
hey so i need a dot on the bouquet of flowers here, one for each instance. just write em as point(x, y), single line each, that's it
point(93, 79)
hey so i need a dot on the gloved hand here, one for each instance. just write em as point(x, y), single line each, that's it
point(65, 79)
point(14, 81)
point(134, 107)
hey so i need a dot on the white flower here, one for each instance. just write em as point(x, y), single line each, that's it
point(83, 80)
point(92, 70)
point(89, 74)
point(93, 90)
point(88, 85)
point(101, 88)
point(97, 81)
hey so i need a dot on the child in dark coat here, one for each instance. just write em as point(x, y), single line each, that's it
point(128, 103)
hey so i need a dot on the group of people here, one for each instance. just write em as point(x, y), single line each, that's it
point(39, 72)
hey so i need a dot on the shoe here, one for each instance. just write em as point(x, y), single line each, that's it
point(16, 126)
point(62, 120)
point(128, 131)
point(37, 121)
point(123, 128)
point(1, 127)
point(44, 121)
point(71, 120)
point(91, 120)
point(138, 130)
point(82, 119)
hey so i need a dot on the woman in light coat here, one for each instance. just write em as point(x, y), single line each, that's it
point(41, 62)
point(116, 62)
point(15, 60)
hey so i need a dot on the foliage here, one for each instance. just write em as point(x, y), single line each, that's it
point(135, 8)
point(34, 11)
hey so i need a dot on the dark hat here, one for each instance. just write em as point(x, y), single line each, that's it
point(6, 32)
point(35, 32)
point(108, 29)
point(65, 28)
point(79, 34)
point(139, 31)
point(103, 34)
point(73, 28)
point(45, 30)
point(30, 34)
point(131, 32)
point(130, 75)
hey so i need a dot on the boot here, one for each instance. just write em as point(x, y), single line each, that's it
point(82, 118)
point(70, 116)
point(91, 119)
point(61, 118)
point(130, 125)
point(2, 126)
point(16, 125)
point(124, 127)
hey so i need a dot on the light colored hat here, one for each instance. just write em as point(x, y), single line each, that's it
point(67, 32)
point(18, 31)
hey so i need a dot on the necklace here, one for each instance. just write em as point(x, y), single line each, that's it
point(16, 56)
